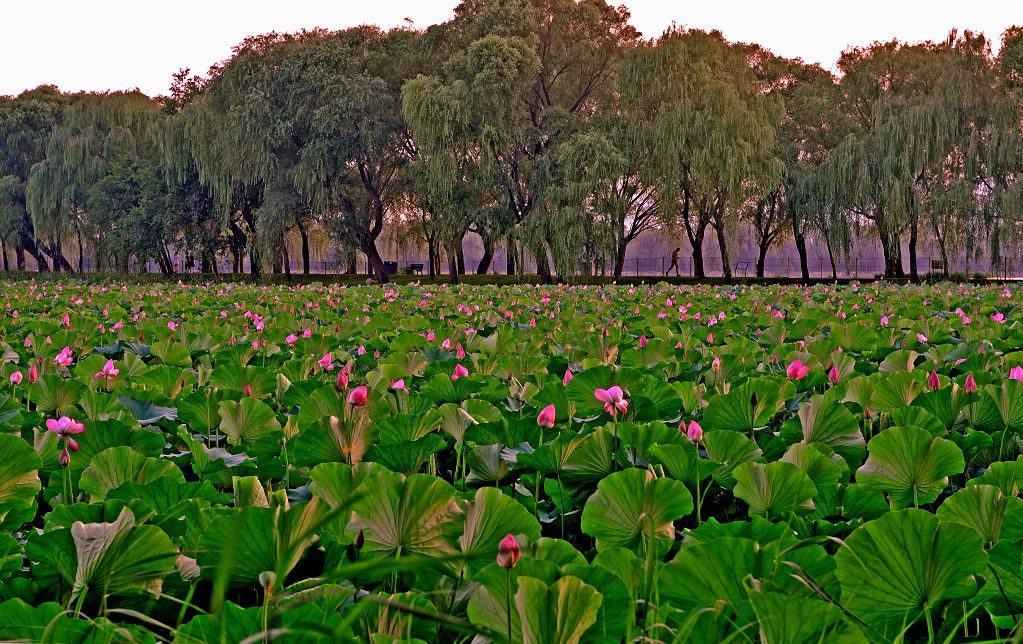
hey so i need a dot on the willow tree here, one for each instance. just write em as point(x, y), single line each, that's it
point(25, 125)
point(713, 131)
point(526, 74)
point(304, 125)
point(1003, 156)
point(98, 133)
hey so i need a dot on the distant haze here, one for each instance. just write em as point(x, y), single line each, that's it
point(122, 44)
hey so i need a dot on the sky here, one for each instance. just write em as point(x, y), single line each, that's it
point(124, 44)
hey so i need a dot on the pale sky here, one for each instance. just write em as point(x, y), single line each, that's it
point(123, 44)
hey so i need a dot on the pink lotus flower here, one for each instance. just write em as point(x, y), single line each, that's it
point(342, 380)
point(884, 320)
point(546, 417)
point(108, 371)
point(1016, 373)
point(16, 378)
point(65, 427)
point(613, 399)
point(308, 333)
point(642, 341)
point(326, 362)
point(446, 344)
point(833, 376)
point(399, 385)
point(797, 370)
point(694, 432)
point(567, 378)
point(358, 396)
point(291, 339)
point(508, 552)
point(715, 364)
point(460, 371)
point(459, 352)
point(33, 374)
point(171, 325)
point(361, 350)
point(710, 338)
point(66, 321)
point(430, 337)
point(64, 357)
point(921, 338)
point(247, 390)
point(998, 317)
point(932, 381)
point(970, 386)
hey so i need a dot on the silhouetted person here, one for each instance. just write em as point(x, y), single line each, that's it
point(674, 262)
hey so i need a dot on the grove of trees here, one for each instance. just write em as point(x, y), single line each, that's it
point(549, 128)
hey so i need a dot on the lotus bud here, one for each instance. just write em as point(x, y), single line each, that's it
point(753, 400)
point(932, 381)
point(508, 552)
point(567, 378)
point(970, 386)
point(642, 341)
point(64, 458)
point(358, 396)
point(833, 376)
point(546, 417)
point(342, 380)
point(16, 378)
point(694, 432)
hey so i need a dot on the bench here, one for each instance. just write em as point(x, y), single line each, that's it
point(414, 268)
point(390, 267)
point(742, 266)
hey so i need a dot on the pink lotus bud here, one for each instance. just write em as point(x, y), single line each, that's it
point(710, 338)
point(970, 386)
point(64, 458)
point(546, 417)
point(342, 380)
point(642, 341)
point(16, 378)
point(1016, 373)
point(247, 390)
point(567, 377)
point(508, 552)
point(715, 364)
point(833, 376)
point(694, 432)
point(326, 362)
point(399, 385)
point(460, 372)
point(358, 396)
point(932, 381)
point(459, 352)
point(430, 337)
point(33, 373)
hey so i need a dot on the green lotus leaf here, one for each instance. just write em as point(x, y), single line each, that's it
point(910, 466)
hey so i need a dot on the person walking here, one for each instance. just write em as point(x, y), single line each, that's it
point(674, 263)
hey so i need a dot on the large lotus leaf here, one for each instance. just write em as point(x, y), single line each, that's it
point(904, 563)
point(406, 457)
point(774, 490)
point(442, 389)
point(257, 539)
point(983, 413)
point(289, 626)
point(853, 337)
point(172, 353)
point(584, 383)
point(10, 413)
point(592, 460)
point(19, 481)
point(632, 508)
point(169, 381)
point(556, 614)
point(616, 605)
point(985, 509)
point(898, 361)
point(407, 516)
point(458, 418)
point(486, 464)
point(487, 606)
point(919, 417)
point(1002, 594)
point(167, 493)
point(735, 410)
point(116, 466)
point(894, 390)
point(943, 404)
point(147, 412)
point(247, 420)
point(488, 518)
point(50, 623)
point(730, 449)
point(551, 458)
point(409, 427)
point(639, 438)
point(682, 464)
point(20, 621)
point(333, 439)
point(102, 559)
point(232, 375)
point(101, 435)
point(827, 422)
point(1009, 401)
point(703, 574)
point(54, 395)
point(910, 466)
point(1007, 476)
point(793, 620)
point(201, 410)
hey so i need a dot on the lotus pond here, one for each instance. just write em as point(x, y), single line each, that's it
point(242, 463)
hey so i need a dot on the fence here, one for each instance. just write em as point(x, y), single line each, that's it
point(775, 267)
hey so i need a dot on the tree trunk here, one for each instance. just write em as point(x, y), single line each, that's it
point(376, 265)
point(3, 249)
point(542, 266)
point(762, 257)
point(698, 258)
point(19, 257)
point(305, 247)
point(81, 252)
point(286, 261)
point(511, 251)
point(726, 264)
point(488, 256)
point(60, 262)
point(914, 273)
point(452, 264)
point(459, 253)
point(620, 261)
point(831, 258)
